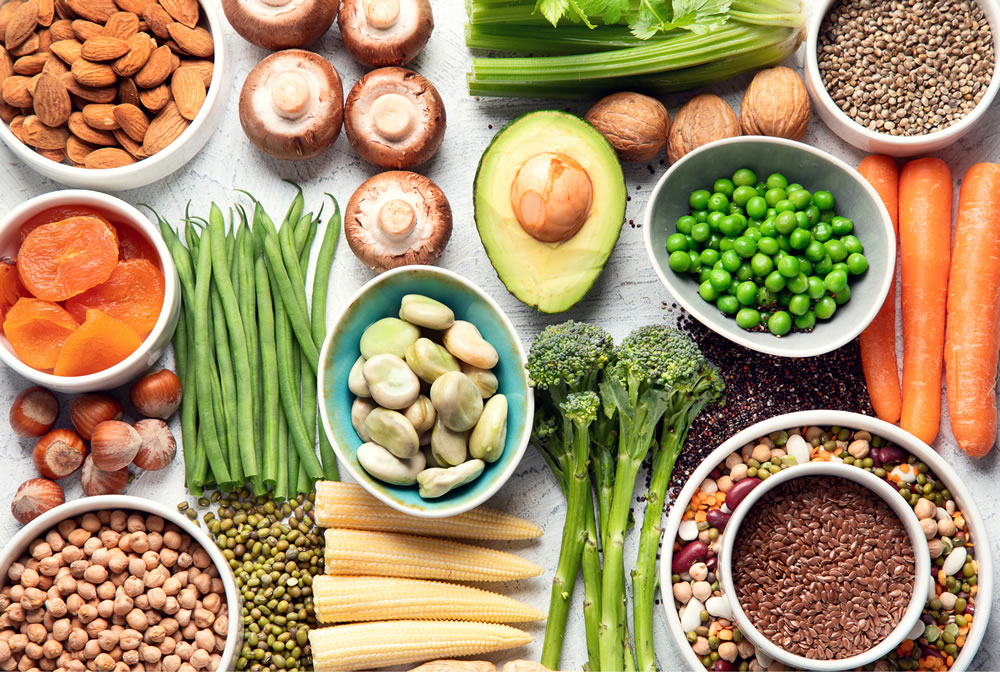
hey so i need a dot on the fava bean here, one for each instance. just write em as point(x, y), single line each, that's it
point(426, 312)
point(457, 400)
point(382, 465)
point(464, 341)
point(388, 335)
point(490, 434)
point(392, 431)
point(436, 481)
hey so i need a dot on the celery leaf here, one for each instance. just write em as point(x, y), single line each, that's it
point(552, 10)
point(697, 16)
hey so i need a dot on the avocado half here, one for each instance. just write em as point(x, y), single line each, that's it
point(550, 277)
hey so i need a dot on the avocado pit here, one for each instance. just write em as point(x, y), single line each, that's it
point(551, 195)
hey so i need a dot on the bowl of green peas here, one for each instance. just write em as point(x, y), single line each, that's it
point(774, 244)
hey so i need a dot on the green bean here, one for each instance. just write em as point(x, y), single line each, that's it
point(308, 376)
point(305, 484)
point(247, 296)
point(269, 371)
point(227, 379)
point(281, 490)
point(290, 255)
point(296, 207)
point(321, 283)
point(294, 361)
point(238, 343)
point(204, 363)
point(279, 278)
point(200, 471)
point(302, 238)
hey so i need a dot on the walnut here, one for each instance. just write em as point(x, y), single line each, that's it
point(703, 119)
point(776, 104)
point(635, 125)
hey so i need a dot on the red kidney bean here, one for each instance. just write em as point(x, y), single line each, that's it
point(717, 518)
point(876, 455)
point(739, 491)
point(711, 563)
point(892, 454)
point(715, 474)
point(723, 665)
point(691, 553)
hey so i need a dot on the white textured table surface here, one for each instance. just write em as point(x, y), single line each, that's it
point(626, 296)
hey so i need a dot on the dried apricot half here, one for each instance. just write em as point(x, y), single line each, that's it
point(62, 259)
point(37, 331)
point(11, 288)
point(99, 343)
point(58, 214)
point(133, 245)
point(133, 294)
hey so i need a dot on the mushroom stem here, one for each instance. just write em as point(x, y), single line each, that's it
point(382, 14)
point(290, 94)
point(393, 116)
point(551, 197)
point(397, 218)
point(276, 3)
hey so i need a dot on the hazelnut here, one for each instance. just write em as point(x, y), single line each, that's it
point(703, 119)
point(776, 104)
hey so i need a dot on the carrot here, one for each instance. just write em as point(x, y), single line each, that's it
point(972, 336)
point(925, 198)
point(878, 341)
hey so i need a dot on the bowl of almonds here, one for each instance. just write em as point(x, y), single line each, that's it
point(105, 94)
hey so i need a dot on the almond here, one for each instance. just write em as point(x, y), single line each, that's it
point(69, 51)
point(134, 6)
point(63, 11)
point(205, 68)
point(140, 47)
point(17, 128)
point(188, 91)
point(128, 93)
point(155, 99)
point(132, 121)
point(44, 137)
point(98, 11)
point(129, 145)
point(15, 91)
point(62, 30)
point(100, 117)
point(158, 68)
point(104, 48)
point(29, 46)
point(46, 12)
point(79, 128)
point(77, 150)
point(54, 66)
point(108, 157)
point(57, 156)
point(90, 94)
point(93, 74)
point(44, 39)
point(22, 24)
point(122, 25)
point(52, 103)
point(8, 112)
point(194, 41)
point(157, 19)
point(85, 30)
point(6, 65)
point(32, 82)
point(184, 11)
point(31, 64)
point(165, 129)
point(7, 12)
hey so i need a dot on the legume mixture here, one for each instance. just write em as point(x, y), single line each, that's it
point(823, 568)
point(702, 609)
point(906, 67)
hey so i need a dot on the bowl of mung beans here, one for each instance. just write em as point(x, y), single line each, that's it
point(826, 566)
point(906, 77)
point(955, 616)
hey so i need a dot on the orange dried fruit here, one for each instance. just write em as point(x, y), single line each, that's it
point(11, 288)
point(37, 331)
point(58, 214)
point(99, 343)
point(133, 245)
point(133, 293)
point(62, 259)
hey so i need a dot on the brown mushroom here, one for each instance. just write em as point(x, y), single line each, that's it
point(280, 24)
point(385, 32)
point(291, 105)
point(394, 118)
point(397, 218)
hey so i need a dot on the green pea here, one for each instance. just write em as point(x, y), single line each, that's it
point(695, 266)
point(835, 281)
point(767, 228)
point(815, 287)
point(699, 199)
point(744, 273)
point(802, 220)
point(701, 232)
point(822, 232)
point(753, 233)
point(799, 198)
point(756, 207)
point(785, 205)
point(676, 242)
point(842, 298)
point(788, 266)
point(744, 247)
point(857, 263)
point(714, 220)
point(724, 243)
point(799, 304)
point(718, 202)
point(767, 245)
point(805, 321)
point(774, 195)
point(797, 285)
point(728, 304)
point(799, 239)
point(679, 261)
point(720, 279)
point(744, 176)
point(703, 274)
point(824, 266)
point(685, 223)
point(836, 250)
point(764, 297)
point(775, 281)
point(699, 215)
point(731, 225)
point(852, 243)
point(746, 293)
point(785, 222)
point(761, 264)
point(776, 181)
point(805, 266)
point(724, 186)
point(709, 257)
point(841, 226)
point(825, 308)
point(823, 200)
point(815, 251)
point(812, 214)
point(784, 297)
point(730, 261)
point(779, 324)
point(748, 318)
point(742, 195)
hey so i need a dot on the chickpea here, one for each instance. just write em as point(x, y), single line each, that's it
point(119, 562)
point(201, 558)
point(184, 650)
point(106, 591)
point(171, 606)
point(139, 542)
point(168, 557)
point(78, 537)
point(100, 557)
point(107, 639)
point(77, 640)
point(171, 663)
point(133, 586)
point(36, 633)
point(106, 609)
point(91, 649)
point(78, 567)
point(52, 649)
point(95, 574)
point(29, 578)
point(184, 560)
point(71, 553)
point(156, 577)
point(131, 657)
point(157, 598)
point(135, 522)
point(153, 617)
point(123, 604)
point(91, 545)
point(56, 607)
point(171, 586)
point(61, 629)
point(187, 598)
point(168, 645)
point(16, 593)
point(203, 583)
point(200, 659)
point(55, 540)
point(137, 568)
point(87, 591)
point(189, 631)
point(212, 603)
point(73, 603)
point(66, 585)
point(87, 614)
point(136, 619)
point(169, 626)
point(205, 640)
point(129, 639)
point(17, 643)
point(172, 539)
point(150, 654)
point(15, 613)
point(118, 520)
point(122, 667)
point(104, 662)
point(125, 542)
point(203, 618)
point(76, 666)
point(142, 601)
point(95, 627)
point(33, 598)
point(109, 539)
point(33, 650)
point(155, 541)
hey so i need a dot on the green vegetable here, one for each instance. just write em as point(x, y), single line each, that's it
point(321, 283)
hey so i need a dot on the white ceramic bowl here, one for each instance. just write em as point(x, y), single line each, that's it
point(883, 143)
point(163, 163)
point(922, 568)
point(18, 545)
point(824, 417)
point(152, 347)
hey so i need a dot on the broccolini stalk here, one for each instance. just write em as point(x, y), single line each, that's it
point(591, 564)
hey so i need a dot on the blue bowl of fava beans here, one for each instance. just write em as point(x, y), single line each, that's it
point(381, 298)
point(771, 243)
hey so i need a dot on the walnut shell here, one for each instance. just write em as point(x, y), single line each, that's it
point(703, 119)
point(776, 104)
point(635, 125)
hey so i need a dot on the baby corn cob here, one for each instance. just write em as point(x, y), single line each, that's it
point(372, 645)
point(354, 552)
point(365, 599)
point(342, 505)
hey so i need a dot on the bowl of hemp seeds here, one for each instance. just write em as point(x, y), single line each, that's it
point(902, 77)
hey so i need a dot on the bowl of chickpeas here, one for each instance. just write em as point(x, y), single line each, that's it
point(116, 582)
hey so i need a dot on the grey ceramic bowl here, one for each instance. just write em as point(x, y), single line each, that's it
point(815, 170)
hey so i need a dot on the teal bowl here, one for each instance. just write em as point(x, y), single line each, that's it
point(380, 298)
point(815, 170)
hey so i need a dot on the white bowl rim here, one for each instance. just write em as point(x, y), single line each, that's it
point(922, 568)
point(736, 334)
point(50, 519)
point(66, 174)
point(501, 478)
point(915, 143)
point(845, 419)
point(141, 222)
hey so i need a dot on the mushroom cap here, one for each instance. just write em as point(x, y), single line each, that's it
point(394, 118)
point(397, 218)
point(281, 24)
point(385, 32)
point(291, 105)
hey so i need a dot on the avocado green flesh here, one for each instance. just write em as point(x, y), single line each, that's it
point(551, 277)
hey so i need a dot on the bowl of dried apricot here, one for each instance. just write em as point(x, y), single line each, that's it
point(96, 96)
point(89, 296)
